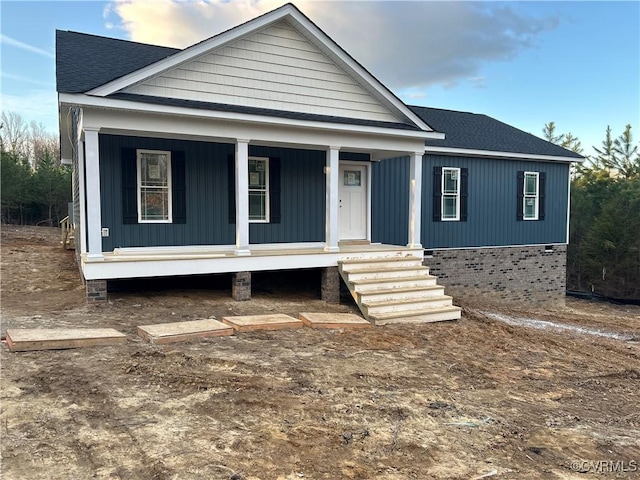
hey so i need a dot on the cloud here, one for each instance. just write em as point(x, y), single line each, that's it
point(407, 45)
point(41, 105)
point(12, 42)
point(22, 79)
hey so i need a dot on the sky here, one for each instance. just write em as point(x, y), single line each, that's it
point(524, 63)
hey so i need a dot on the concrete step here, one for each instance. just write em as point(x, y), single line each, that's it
point(399, 272)
point(378, 263)
point(395, 294)
point(391, 306)
point(361, 286)
point(418, 316)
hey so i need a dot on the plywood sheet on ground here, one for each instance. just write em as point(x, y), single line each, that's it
point(262, 322)
point(333, 320)
point(22, 340)
point(183, 331)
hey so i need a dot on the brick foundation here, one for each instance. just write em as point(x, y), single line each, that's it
point(533, 274)
point(330, 285)
point(241, 286)
point(96, 291)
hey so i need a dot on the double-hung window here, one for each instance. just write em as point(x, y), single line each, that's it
point(258, 189)
point(531, 196)
point(450, 194)
point(154, 186)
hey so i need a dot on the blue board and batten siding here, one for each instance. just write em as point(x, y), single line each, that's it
point(207, 196)
point(492, 204)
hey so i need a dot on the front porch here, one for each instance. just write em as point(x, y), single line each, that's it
point(231, 196)
point(388, 282)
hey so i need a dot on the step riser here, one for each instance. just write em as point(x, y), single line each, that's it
point(399, 283)
point(419, 304)
point(388, 274)
point(436, 317)
point(348, 267)
point(377, 286)
point(383, 297)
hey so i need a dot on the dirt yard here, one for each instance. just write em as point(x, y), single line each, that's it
point(476, 398)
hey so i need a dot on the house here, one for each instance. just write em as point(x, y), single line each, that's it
point(268, 147)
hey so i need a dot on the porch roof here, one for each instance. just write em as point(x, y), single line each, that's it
point(221, 107)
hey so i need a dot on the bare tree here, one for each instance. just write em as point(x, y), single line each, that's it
point(14, 134)
point(42, 144)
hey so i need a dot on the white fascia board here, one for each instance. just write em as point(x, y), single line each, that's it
point(491, 153)
point(127, 105)
point(190, 53)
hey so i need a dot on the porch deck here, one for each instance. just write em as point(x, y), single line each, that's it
point(136, 262)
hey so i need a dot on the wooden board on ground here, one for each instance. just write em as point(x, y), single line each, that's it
point(183, 331)
point(23, 340)
point(262, 322)
point(333, 320)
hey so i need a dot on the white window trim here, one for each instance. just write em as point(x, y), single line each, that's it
point(536, 197)
point(139, 185)
point(266, 191)
point(457, 196)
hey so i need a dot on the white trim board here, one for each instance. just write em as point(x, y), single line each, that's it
point(300, 23)
point(491, 153)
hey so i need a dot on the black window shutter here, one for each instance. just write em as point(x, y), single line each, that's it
point(464, 193)
point(178, 187)
point(541, 194)
point(437, 194)
point(231, 176)
point(129, 186)
point(520, 199)
point(274, 190)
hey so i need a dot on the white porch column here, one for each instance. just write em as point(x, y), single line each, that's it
point(242, 197)
point(92, 175)
point(415, 199)
point(332, 178)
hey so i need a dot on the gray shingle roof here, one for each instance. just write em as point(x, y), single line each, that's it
point(84, 61)
point(480, 132)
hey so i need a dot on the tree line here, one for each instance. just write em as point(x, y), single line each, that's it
point(603, 255)
point(35, 188)
point(604, 241)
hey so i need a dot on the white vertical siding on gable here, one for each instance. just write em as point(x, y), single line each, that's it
point(275, 68)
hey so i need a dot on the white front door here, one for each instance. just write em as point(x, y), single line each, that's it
point(353, 202)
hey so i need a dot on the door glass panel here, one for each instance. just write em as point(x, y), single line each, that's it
point(352, 178)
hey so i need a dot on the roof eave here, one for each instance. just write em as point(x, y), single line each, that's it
point(83, 100)
point(499, 154)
